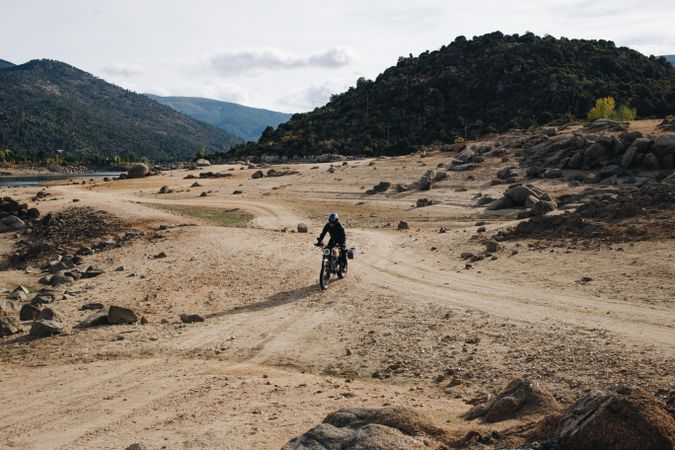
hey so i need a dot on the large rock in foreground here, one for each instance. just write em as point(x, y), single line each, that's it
point(522, 397)
point(391, 428)
point(629, 419)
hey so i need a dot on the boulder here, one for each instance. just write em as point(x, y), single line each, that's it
point(422, 202)
point(120, 315)
point(13, 223)
point(664, 145)
point(650, 162)
point(522, 397)
point(49, 314)
point(501, 203)
point(440, 175)
point(138, 171)
point(165, 190)
point(553, 173)
point(201, 162)
point(392, 428)
point(506, 173)
point(541, 207)
point(29, 312)
point(492, 246)
point(534, 171)
point(302, 228)
point(8, 325)
point(424, 183)
point(519, 194)
point(44, 328)
point(574, 162)
point(402, 225)
point(627, 419)
point(257, 174)
point(629, 156)
point(95, 319)
point(382, 186)
point(191, 318)
point(59, 279)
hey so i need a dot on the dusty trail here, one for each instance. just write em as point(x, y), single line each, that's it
point(276, 354)
point(384, 264)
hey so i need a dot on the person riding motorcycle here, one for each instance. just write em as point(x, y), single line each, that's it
point(338, 237)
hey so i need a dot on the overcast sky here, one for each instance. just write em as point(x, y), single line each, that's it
point(292, 55)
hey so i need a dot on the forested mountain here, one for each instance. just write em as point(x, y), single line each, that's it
point(4, 64)
point(49, 108)
point(671, 59)
point(489, 83)
point(239, 120)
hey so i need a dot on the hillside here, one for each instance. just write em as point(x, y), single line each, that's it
point(47, 106)
point(490, 83)
point(237, 119)
point(5, 64)
point(670, 59)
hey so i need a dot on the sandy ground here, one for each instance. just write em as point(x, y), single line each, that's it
point(410, 325)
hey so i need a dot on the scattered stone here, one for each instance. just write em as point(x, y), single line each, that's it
point(492, 246)
point(91, 306)
point(95, 319)
point(422, 202)
point(29, 312)
point(160, 255)
point(382, 186)
point(165, 190)
point(8, 325)
point(302, 228)
point(49, 314)
point(402, 225)
point(191, 318)
point(257, 174)
point(203, 194)
point(121, 315)
point(44, 328)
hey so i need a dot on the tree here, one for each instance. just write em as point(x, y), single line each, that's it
point(605, 108)
point(201, 153)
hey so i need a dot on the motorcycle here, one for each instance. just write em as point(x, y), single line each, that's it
point(334, 261)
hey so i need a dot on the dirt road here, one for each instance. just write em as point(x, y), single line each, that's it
point(276, 354)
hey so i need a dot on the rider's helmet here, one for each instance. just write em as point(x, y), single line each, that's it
point(333, 218)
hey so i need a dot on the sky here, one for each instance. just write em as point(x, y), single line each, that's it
point(292, 55)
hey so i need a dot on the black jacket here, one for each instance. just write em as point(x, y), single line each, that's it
point(337, 234)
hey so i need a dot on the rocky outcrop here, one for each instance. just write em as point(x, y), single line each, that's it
point(522, 397)
point(374, 429)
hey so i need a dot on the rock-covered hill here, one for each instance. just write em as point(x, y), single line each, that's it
point(489, 83)
point(236, 119)
point(47, 106)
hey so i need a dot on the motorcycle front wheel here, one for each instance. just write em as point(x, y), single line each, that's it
point(324, 275)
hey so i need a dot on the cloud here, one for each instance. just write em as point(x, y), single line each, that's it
point(235, 62)
point(216, 91)
point(123, 70)
point(313, 96)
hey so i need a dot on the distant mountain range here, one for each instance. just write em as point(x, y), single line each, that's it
point(471, 87)
point(49, 108)
point(239, 120)
point(671, 59)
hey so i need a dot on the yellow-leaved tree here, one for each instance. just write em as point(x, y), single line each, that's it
point(605, 108)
